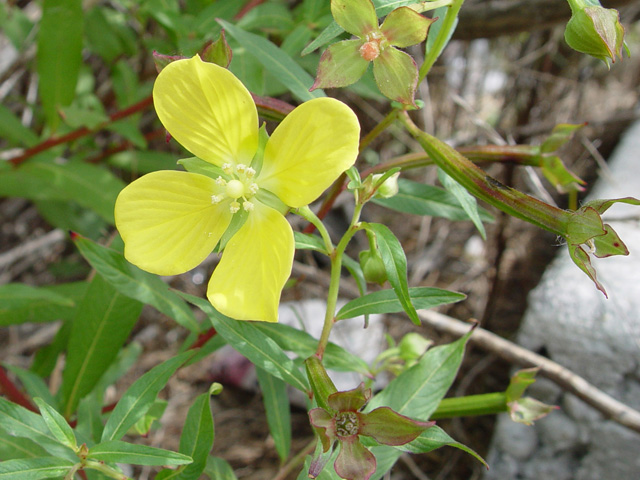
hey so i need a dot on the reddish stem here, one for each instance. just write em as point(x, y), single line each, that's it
point(203, 338)
point(13, 393)
point(80, 132)
point(247, 8)
point(126, 145)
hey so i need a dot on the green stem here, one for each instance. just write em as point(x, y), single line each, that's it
point(479, 184)
point(448, 24)
point(378, 129)
point(518, 154)
point(105, 470)
point(334, 284)
point(312, 218)
point(485, 404)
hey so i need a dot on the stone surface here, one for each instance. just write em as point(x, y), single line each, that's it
point(597, 338)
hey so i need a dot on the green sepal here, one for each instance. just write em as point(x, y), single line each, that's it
point(340, 65)
point(197, 165)
point(358, 17)
point(218, 52)
point(396, 74)
point(321, 384)
point(404, 27)
point(596, 31)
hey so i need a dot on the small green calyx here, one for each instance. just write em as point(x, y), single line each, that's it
point(595, 30)
point(395, 72)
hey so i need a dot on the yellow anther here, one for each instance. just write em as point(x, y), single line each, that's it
point(250, 172)
point(216, 199)
point(241, 168)
point(227, 168)
point(247, 206)
point(234, 207)
point(221, 181)
point(253, 188)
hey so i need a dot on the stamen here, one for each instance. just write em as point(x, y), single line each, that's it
point(253, 188)
point(250, 172)
point(234, 207)
point(221, 181)
point(215, 199)
point(227, 168)
point(241, 168)
point(248, 206)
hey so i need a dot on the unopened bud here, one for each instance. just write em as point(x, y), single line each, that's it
point(373, 267)
point(595, 30)
point(389, 187)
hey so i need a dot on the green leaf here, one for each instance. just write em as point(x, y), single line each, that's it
point(13, 131)
point(32, 383)
point(386, 301)
point(417, 391)
point(467, 201)
point(268, 16)
point(19, 421)
point(143, 426)
point(308, 241)
point(140, 396)
point(19, 447)
point(123, 452)
point(419, 199)
point(197, 437)
point(395, 264)
point(20, 303)
point(34, 468)
point(434, 438)
point(276, 404)
point(250, 341)
point(143, 161)
point(276, 61)
point(89, 185)
point(59, 55)
point(56, 423)
point(135, 283)
point(356, 272)
point(102, 323)
point(219, 469)
point(304, 345)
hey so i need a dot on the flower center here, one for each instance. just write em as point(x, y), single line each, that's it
point(241, 187)
point(347, 424)
point(374, 44)
point(235, 189)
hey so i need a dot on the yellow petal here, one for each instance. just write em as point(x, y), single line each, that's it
point(167, 221)
point(208, 110)
point(256, 263)
point(309, 150)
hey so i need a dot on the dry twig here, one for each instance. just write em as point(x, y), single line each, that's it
point(563, 377)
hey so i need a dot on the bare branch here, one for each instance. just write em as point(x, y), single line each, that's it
point(563, 377)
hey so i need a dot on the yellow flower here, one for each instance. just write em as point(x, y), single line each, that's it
point(170, 221)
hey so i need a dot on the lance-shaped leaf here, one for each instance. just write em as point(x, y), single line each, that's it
point(395, 263)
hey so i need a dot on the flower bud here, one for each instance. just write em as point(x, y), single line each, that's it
point(595, 30)
point(373, 267)
point(389, 187)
